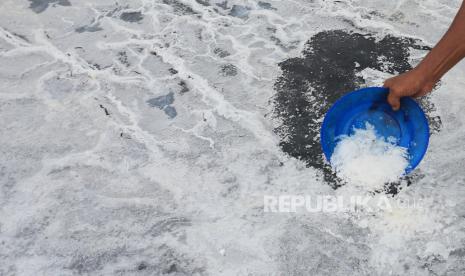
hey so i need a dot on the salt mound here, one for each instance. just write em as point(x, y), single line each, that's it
point(368, 161)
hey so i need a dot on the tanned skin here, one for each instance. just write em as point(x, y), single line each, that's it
point(421, 80)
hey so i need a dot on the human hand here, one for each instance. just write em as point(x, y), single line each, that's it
point(413, 83)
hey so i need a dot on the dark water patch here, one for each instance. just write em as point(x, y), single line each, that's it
point(221, 53)
point(205, 3)
point(39, 6)
point(223, 5)
point(240, 11)
point(89, 28)
point(179, 7)
point(170, 111)
point(327, 70)
point(142, 266)
point(266, 6)
point(131, 16)
point(184, 88)
point(228, 70)
point(162, 101)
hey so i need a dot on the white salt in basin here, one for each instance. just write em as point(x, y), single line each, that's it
point(367, 160)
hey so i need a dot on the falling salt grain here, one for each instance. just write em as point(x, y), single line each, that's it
point(368, 161)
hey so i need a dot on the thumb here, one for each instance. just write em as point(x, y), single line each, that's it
point(394, 101)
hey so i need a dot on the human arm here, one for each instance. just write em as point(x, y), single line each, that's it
point(421, 80)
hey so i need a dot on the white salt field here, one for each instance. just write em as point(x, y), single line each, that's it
point(365, 159)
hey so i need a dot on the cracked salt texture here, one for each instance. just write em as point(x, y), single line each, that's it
point(367, 160)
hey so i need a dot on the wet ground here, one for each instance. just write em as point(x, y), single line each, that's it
point(140, 138)
point(329, 67)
